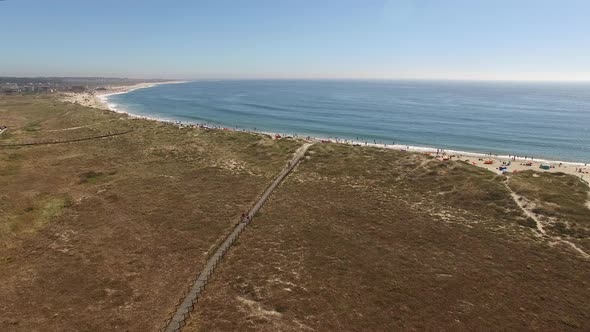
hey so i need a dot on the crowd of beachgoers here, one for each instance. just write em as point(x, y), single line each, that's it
point(514, 164)
point(492, 162)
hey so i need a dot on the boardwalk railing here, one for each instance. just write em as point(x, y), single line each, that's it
point(177, 320)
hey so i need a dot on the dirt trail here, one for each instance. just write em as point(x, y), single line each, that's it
point(187, 304)
point(520, 201)
point(66, 141)
point(80, 127)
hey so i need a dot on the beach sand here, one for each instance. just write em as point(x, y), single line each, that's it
point(96, 99)
point(519, 164)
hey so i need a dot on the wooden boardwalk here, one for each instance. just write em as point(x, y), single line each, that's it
point(187, 304)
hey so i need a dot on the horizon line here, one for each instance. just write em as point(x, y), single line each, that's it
point(313, 79)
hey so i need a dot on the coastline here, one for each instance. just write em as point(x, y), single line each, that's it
point(98, 99)
point(516, 163)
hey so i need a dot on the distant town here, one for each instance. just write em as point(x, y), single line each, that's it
point(24, 85)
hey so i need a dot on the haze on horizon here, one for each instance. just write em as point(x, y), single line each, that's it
point(370, 39)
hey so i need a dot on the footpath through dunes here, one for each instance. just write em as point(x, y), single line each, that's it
point(362, 239)
point(103, 235)
point(187, 304)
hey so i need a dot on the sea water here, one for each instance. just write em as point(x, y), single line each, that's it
point(542, 120)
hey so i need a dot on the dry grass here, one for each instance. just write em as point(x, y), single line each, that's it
point(370, 240)
point(560, 200)
point(105, 234)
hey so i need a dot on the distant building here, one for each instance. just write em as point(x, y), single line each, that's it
point(9, 88)
point(27, 88)
point(43, 88)
point(77, 88)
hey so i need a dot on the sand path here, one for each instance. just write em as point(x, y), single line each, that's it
point(523, 204)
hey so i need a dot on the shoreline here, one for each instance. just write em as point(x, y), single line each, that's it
point(516, 163)
point(98, 99)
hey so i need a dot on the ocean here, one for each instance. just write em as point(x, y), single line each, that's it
point(544, 120)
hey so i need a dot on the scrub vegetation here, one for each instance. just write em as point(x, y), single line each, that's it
point(361, 239)
point(105, 234)
point(561, 200)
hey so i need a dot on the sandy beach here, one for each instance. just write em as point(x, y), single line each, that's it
point(96, 99)
point(492, 163)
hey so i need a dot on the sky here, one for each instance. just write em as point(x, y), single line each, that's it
point(529, 40)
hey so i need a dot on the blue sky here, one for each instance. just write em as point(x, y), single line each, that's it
point(415, 39)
